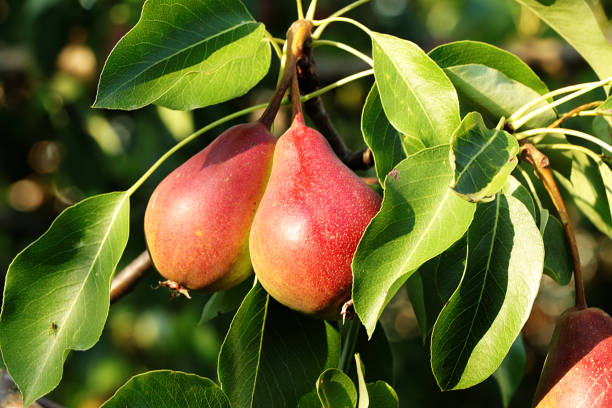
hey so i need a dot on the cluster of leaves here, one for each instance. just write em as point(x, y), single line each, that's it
point(463, 233)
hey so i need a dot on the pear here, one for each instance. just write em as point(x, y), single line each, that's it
point(577, 372)
point(198, 218)
point(308, 224)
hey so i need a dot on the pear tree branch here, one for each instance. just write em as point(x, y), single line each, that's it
point(314, 108)
point(124, 281)
point(541, 166)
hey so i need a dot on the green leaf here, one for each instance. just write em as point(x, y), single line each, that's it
point(587, 190)
point(420, 218)
point(434, 283)
point(310, 400)
point(225, 301)
point(475, 52)
point(515, 189)
point(510, 373)
point(382, 395)
point(574, 21)
point(484, 158)
point(382, 138)
point(417, 97)
point(57, 291)
point(168, 389)
point(364, 400)
point(336, 390)
point(557, 259)
point(272, 356)
point(496, 94)
point(487, 311)
point(494, 80)
point(183, 55)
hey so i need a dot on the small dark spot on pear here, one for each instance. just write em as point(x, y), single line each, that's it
point(53, 327)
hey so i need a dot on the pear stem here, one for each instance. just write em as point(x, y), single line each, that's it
point(297, 35)
point(296, 103)
point(541, 165)
point(314, 108)
point(574, 112)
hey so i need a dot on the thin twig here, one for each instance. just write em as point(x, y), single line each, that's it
point(314, 108)
point(574, 112)
point(124, 281)
point(541, 165)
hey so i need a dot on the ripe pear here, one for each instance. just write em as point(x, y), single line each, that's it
point(308, 224)
point(577, 372)
point(198, 218)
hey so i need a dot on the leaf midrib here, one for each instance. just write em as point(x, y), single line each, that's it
point(78, 295)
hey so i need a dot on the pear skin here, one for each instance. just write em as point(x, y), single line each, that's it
point(308, 224)
point(198, 218)
point(577, 372)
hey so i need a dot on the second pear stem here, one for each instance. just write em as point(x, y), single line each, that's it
point(541, 165)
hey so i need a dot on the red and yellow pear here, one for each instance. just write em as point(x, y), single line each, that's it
point(577, 372)
point(308, 224)
point(198, 218)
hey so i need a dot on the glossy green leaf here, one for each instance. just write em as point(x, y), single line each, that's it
point(417, 97)
point(495, 93)
point(382, 395)
point(168, 389)
point(225, 301)
point(185, 54)
point(475, 52)
point(382, 138)
point(336, 390)
point(587, 190)
point(484, 158)
point(272, 356)
point(364, 400)
point(558, 259)
point(491, 79)
point(574, 21)
point(487, 311)
point(57, 291)
point(434, 283)
point(420, 218)
point(510, 373)
point(310, 400)
point(515, 189)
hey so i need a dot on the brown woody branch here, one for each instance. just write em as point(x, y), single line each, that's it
point(124, 281)
point(574, 112)
point(309, 82)
point(541, 166)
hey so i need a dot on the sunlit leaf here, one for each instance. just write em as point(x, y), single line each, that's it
point(483, 158)
point(485, 314)
point(185, 54)
point(272, 356)
point(335, 389)
point(168, 389)
point(574, 21)
point(57, 291)
point(420, 217)
point(417, 97)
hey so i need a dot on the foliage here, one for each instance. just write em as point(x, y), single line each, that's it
point(465, 229)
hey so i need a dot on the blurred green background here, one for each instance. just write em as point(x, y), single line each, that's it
point(56, 150)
